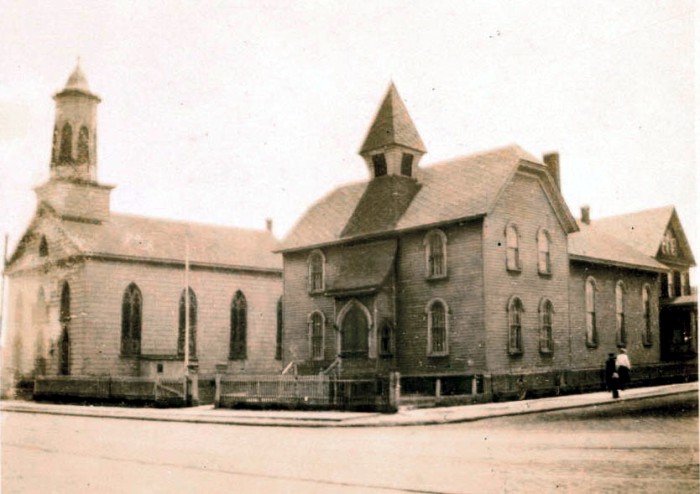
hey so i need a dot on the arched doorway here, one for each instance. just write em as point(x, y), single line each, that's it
point(354, 329)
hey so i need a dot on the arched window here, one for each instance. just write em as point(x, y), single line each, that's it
point(280, 329)
point(515, 326)
point(66, 153)
point(185, 307)
point(435, 244)
point(354, 328)
point(543, 260)
point(132, 311)
point(43, 247)
point(546, 340)
point(591, 323)
point(65, 314)
point(239, 327)
point(512, 249)
point(621, 330)
point(316, 322)
point(64, 352)
point(437, 328)
point(646, 314)
point(316, 271)
point(386, 344)
point(83, 145)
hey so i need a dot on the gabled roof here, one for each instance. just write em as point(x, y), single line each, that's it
point(461, 188)
point(644, 230)
point(138, 238)
point(392, 125)
point(590, 244)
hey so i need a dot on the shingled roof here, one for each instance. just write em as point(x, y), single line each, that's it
point(461, 188)
point(139, 238)
point(392, 125)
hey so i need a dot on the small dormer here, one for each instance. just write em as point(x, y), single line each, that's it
point(392, 145)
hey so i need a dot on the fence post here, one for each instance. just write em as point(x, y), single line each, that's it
point(220, 369)
point(156, 383)
point(394, 391)
point(438, 387)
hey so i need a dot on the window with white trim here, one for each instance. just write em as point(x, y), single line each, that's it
point(620, 327)
point(437, 328)
point(512, 249)
point(316, 271)
point(316, 323)
point(591, 322)
point(546, 338)
point(646, 314)
point(515, 326)
point(435, 243)
point(543, 256)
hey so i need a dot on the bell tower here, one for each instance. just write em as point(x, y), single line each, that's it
point(72, 190)
point(392, 146)
point(74, 150)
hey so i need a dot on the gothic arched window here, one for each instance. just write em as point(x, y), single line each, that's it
point(591, 323)
point(543, 259)
point(546, 339)
point(512, 249)
point(43, 247)
point(621, 329)
point(435, 244)
point(239, 322)
point(316, 275)
point(83, 145)
point(64, 315)
point(437, 328)
point(132, 307)
point(280, 328)
point(184, 308)
point(66, 153)
point(354, 328)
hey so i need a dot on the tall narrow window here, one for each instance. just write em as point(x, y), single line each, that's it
point(64, 344)
point(379, 162)
point(546, 340)
point(515, 326)
point(280, 329)
point(83, 145)
point(543, 260)
point(407, 164)
point(41, 314)
point(54, 147)
point(621, 329)
point(239, 323)
point(646, 314)
point(437, 328)
point(66, 152)
point(192, 324)
point(316, 268)
point(591, 326)
point(385, 337)
point(64, 314)
point(436, 254)
point(677, 284)
point(316, 335)
point(132, 306)
point(512, 249)
point(43, 247)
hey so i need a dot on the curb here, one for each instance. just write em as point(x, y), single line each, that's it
point(434, 416)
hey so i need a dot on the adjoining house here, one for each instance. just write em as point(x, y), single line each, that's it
point(472, 278)
point(95, 294)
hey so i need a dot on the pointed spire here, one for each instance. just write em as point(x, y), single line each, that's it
point(392, 126)
point(77, 83)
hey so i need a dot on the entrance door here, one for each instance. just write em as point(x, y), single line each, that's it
point(355, 332)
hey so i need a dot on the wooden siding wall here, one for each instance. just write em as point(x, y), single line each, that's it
point(462, 290)
point(606, 279)
point(525, 205)
point(161, 287)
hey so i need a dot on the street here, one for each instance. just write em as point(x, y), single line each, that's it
point(648, 445)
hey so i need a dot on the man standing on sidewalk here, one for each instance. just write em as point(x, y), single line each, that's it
point(612, 378)
point(623, 366)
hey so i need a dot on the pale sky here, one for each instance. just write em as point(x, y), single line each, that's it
point(231, 112)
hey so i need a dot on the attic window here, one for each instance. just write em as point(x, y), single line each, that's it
point(669, 245)
point(379, 162)
point(407, 164)
point(43, 247)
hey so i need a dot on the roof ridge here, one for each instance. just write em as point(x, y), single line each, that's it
point(187, 223)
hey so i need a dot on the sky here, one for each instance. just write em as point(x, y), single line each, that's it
point(233, 112)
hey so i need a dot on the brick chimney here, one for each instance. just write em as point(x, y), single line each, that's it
point(268, 224)
point(586, 215)
point(552, 162)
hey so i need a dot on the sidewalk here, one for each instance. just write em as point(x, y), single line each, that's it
point(207, 414)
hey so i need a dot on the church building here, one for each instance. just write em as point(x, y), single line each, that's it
point(97, 293)
point(472, 277)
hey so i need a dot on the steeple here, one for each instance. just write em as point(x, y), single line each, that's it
point(392, 145)
point(72, 191)
point(73, 155)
